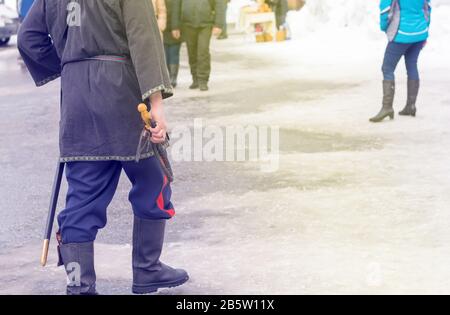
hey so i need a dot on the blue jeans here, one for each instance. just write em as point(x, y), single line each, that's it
point(172, 53)
point(92, 186)
point(394, 52)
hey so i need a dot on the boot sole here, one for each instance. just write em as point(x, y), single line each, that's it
point(153, 288)
point(391, 116)
point(409, 114)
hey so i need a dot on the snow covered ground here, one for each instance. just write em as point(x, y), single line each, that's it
point(354, 208)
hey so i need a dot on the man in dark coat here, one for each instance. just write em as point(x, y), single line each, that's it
point(110, 57)
point(198, 20)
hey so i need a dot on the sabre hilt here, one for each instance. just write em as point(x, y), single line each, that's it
point(146, 116)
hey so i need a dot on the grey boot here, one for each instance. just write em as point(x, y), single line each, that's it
point(413, 90)
point(149, 274)
point(173, 70)
point(388, 102)
point(78, 260)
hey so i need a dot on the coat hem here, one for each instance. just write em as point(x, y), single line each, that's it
point(104, 158)
point(48, 79)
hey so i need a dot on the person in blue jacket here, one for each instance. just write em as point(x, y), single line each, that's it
point(406, 23)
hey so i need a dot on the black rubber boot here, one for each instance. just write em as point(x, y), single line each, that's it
point(203, 86)
point(194, 84)
point(388, 102)
point(149, 274)
point(413, 90)
point(173, 70)
point(78, 260)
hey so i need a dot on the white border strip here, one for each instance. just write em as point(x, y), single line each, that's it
point(413, 34)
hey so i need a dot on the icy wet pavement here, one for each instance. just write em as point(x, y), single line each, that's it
point(354, 208)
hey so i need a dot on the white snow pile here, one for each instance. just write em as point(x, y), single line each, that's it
point(440, 26)
point(356, 18)
point(331, 16)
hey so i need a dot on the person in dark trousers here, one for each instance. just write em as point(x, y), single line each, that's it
point(197, 21)
point(224, 34)
point(280, 8)
point(172, 46)
point(110, 57)
point(406, 24)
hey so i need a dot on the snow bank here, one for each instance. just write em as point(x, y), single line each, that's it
point(355, 18)
point(440, 27)
point(331, 16)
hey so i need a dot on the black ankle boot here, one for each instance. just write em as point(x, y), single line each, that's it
point(413, 90)
point(149, 274)
point(388, 102)
point(78, 260)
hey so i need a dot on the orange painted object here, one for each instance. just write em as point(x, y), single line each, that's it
point(281, 36)
point(264, 8)
point(260, 38)
point(268, 37)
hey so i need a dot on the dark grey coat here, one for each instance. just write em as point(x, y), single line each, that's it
point(110, 57)
point(199, 13)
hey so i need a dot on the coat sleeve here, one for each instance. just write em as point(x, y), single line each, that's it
point(385, 7)
point(36, 47)
point(221, 12)
point(176, 14)
point(146, 47)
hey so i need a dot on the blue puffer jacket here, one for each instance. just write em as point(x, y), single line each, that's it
point(405, 21)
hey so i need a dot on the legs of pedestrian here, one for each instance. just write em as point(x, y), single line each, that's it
point(191, 35)
point(411, 59)
point(394, 53)
point(204, 57)
point(173, 61)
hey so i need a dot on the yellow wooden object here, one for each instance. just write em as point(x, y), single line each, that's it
point(260, 38)
point(264, 8)
point(145, 114)
point(281, 36)
point(268, 37)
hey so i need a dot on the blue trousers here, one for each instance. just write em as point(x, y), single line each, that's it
point(394, 52)
point(92, 186)
point(172, 53)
